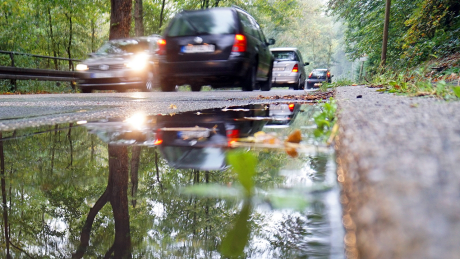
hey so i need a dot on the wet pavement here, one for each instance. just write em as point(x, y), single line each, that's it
point(167, 186)
point(20, 111)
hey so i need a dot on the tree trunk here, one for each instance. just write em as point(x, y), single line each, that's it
point(69, 45)
point(117, 194)
point(5, 209)
point(53, 44)
point(385, 33)
point(120, 19)
point(118, 179)
point(139, 18)
point(135, 159)
point(161, 15)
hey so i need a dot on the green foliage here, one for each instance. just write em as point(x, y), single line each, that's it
point(244, 165)
point(418, 30)
point(325, 119)
point(237, 238)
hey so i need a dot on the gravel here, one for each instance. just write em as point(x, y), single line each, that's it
point(399, 164)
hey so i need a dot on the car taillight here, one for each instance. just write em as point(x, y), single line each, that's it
point(328, 74)
point(240, 43)
point(309, 76)
point(232, 136)
point(291, 107)
point(295, 69)
point(159, 138)
point(161, 47)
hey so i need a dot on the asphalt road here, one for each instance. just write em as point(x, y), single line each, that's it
point(21, 111)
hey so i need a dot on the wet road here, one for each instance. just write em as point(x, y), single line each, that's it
point(19, 111)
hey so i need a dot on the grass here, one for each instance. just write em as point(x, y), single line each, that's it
point(437, 78)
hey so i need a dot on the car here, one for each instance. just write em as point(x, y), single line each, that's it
point(318, 76)
point(199, 140)
point(220, 47)
point(282, 115)
point(288, 68)
point(120, 65)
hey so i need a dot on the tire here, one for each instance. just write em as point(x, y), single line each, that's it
point(148, 83)
point(267, 85)
point(298, 85)
point(302, 85)
point(249, 81)
point(167, 86)
point(196, 88)
point(86, 90)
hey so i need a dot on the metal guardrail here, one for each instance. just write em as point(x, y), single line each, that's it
point(14, 73)
point(36, 74)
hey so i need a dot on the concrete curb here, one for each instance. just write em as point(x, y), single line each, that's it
point(399, 165)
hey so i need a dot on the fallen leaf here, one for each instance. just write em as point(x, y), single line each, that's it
point(292, 152)
point(172, 106)
point(295, 137)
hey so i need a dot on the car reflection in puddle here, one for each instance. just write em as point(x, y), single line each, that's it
point(293, 211)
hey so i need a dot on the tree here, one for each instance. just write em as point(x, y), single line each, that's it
point(139, 18)
point(120, 19)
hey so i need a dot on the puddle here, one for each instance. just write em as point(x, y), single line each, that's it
point(163, 187)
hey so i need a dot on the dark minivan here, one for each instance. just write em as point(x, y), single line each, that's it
point(221, 47)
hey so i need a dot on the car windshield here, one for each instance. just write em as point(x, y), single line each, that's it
point(319, 72)
point(203, 22)
point(123, 47)
point(285, 55)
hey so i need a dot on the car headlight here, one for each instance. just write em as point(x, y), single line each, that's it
point(138, 62)
point(82, 67)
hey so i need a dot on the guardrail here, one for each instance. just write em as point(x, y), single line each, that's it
point(14, 73)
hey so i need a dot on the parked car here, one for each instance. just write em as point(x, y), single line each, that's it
point(288, 68)
point(120, 65)
point(217, 47)
point(318, 76)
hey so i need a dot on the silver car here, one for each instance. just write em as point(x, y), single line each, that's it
point(120, 65)
point(288, 68)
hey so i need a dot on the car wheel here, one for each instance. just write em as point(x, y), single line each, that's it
point(297, 86)
point(86, 90)
point(148, 83)
point(249, 81)
point(267, 85)
point(302, 85)
point(196, 88)
point(167, 86)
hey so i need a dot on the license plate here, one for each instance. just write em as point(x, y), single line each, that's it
point(198, 48)
point(102, 75)
point(193, 134)
point(318, 84)
point(278, 69)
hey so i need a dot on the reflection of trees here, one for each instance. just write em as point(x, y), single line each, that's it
point(4, 206)
point(117, 194)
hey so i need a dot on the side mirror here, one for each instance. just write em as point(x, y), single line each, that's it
point(91, 55)
point(306, 63)
point(332, 75)
point(271, 41)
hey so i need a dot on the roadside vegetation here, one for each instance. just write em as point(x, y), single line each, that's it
point(423, 42)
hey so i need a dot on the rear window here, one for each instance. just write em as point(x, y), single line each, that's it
point(203, 22)
point(123, 47)
point(319, 72)
point(285, 55)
